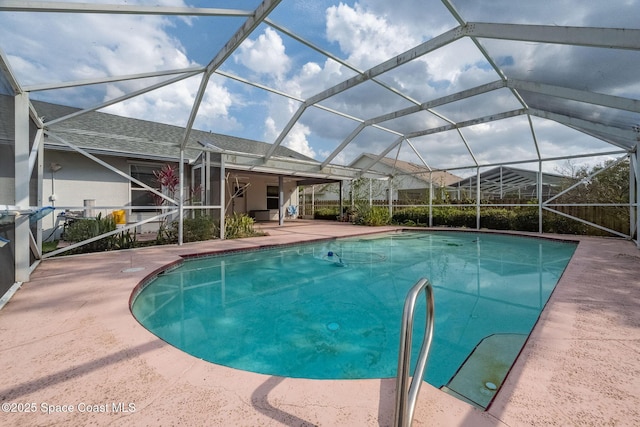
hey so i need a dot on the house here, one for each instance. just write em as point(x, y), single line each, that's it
point(99, 163)
point(410, 182)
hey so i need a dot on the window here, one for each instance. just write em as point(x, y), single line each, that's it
point(140, 196)
point(273, 197)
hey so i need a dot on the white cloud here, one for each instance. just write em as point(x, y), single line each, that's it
point(264, 55)
point(83, 46)
point(313, 78)
point(172, 105)
point(88, 45)
point(364, 37)
point(78, 46)
point(296, 139)
point(355, 30)
point(267, 56)
point(151, 48)
point(271, 131)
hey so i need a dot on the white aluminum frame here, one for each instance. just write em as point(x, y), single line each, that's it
point(29, 154)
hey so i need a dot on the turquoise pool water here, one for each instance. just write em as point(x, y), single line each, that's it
point(332, 309)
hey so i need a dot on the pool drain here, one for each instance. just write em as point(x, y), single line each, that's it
point(333, 326)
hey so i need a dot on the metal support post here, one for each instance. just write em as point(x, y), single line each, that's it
point(478, 198)
point(390, 197)
point(21, 194)
point(280, 200)
point(539, 192)
point(181, 200)
point(223, 184)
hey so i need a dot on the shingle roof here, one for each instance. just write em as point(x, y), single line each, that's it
point(420, 172)
point(109, 133)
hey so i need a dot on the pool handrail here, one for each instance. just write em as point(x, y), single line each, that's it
point(407, 393)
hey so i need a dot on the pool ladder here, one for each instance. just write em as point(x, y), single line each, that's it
point(407, 393)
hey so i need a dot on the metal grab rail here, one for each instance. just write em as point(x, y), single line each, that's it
point(407, 393)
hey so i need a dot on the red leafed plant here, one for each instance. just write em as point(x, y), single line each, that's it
point(169, 180)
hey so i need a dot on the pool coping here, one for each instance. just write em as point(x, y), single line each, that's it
point(69, 338)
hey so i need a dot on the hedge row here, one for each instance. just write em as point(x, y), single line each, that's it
point(326, 213)
point(520, 219)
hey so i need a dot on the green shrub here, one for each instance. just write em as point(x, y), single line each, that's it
point(88, 228)
point(201, 227)
point(167, 234)
point(198, 229)
point(49, 246)
point(497, 218)
point(372, 215)
point(124, 240)
point(454, 217)
point(326, 213)
point(554, 223)
point(526, 219)
point(522, 218)
point(195, 229)
point(238, 226)
point(411, 216)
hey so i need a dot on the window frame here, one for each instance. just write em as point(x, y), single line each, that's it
point(271, 197)
point(142, 192)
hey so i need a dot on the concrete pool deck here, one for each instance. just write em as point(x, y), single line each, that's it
point(68, 338)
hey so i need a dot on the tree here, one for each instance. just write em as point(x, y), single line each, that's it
point(610, 185)
point(603, 183)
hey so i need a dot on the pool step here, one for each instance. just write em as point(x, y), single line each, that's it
point(459, 396)
point(481, 375)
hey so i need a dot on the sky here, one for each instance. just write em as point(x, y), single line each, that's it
point(47, 48)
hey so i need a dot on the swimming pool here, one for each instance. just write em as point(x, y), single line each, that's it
point(332, 309)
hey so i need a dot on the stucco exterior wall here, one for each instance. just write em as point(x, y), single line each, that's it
point(81, 180)
point(255, 197)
